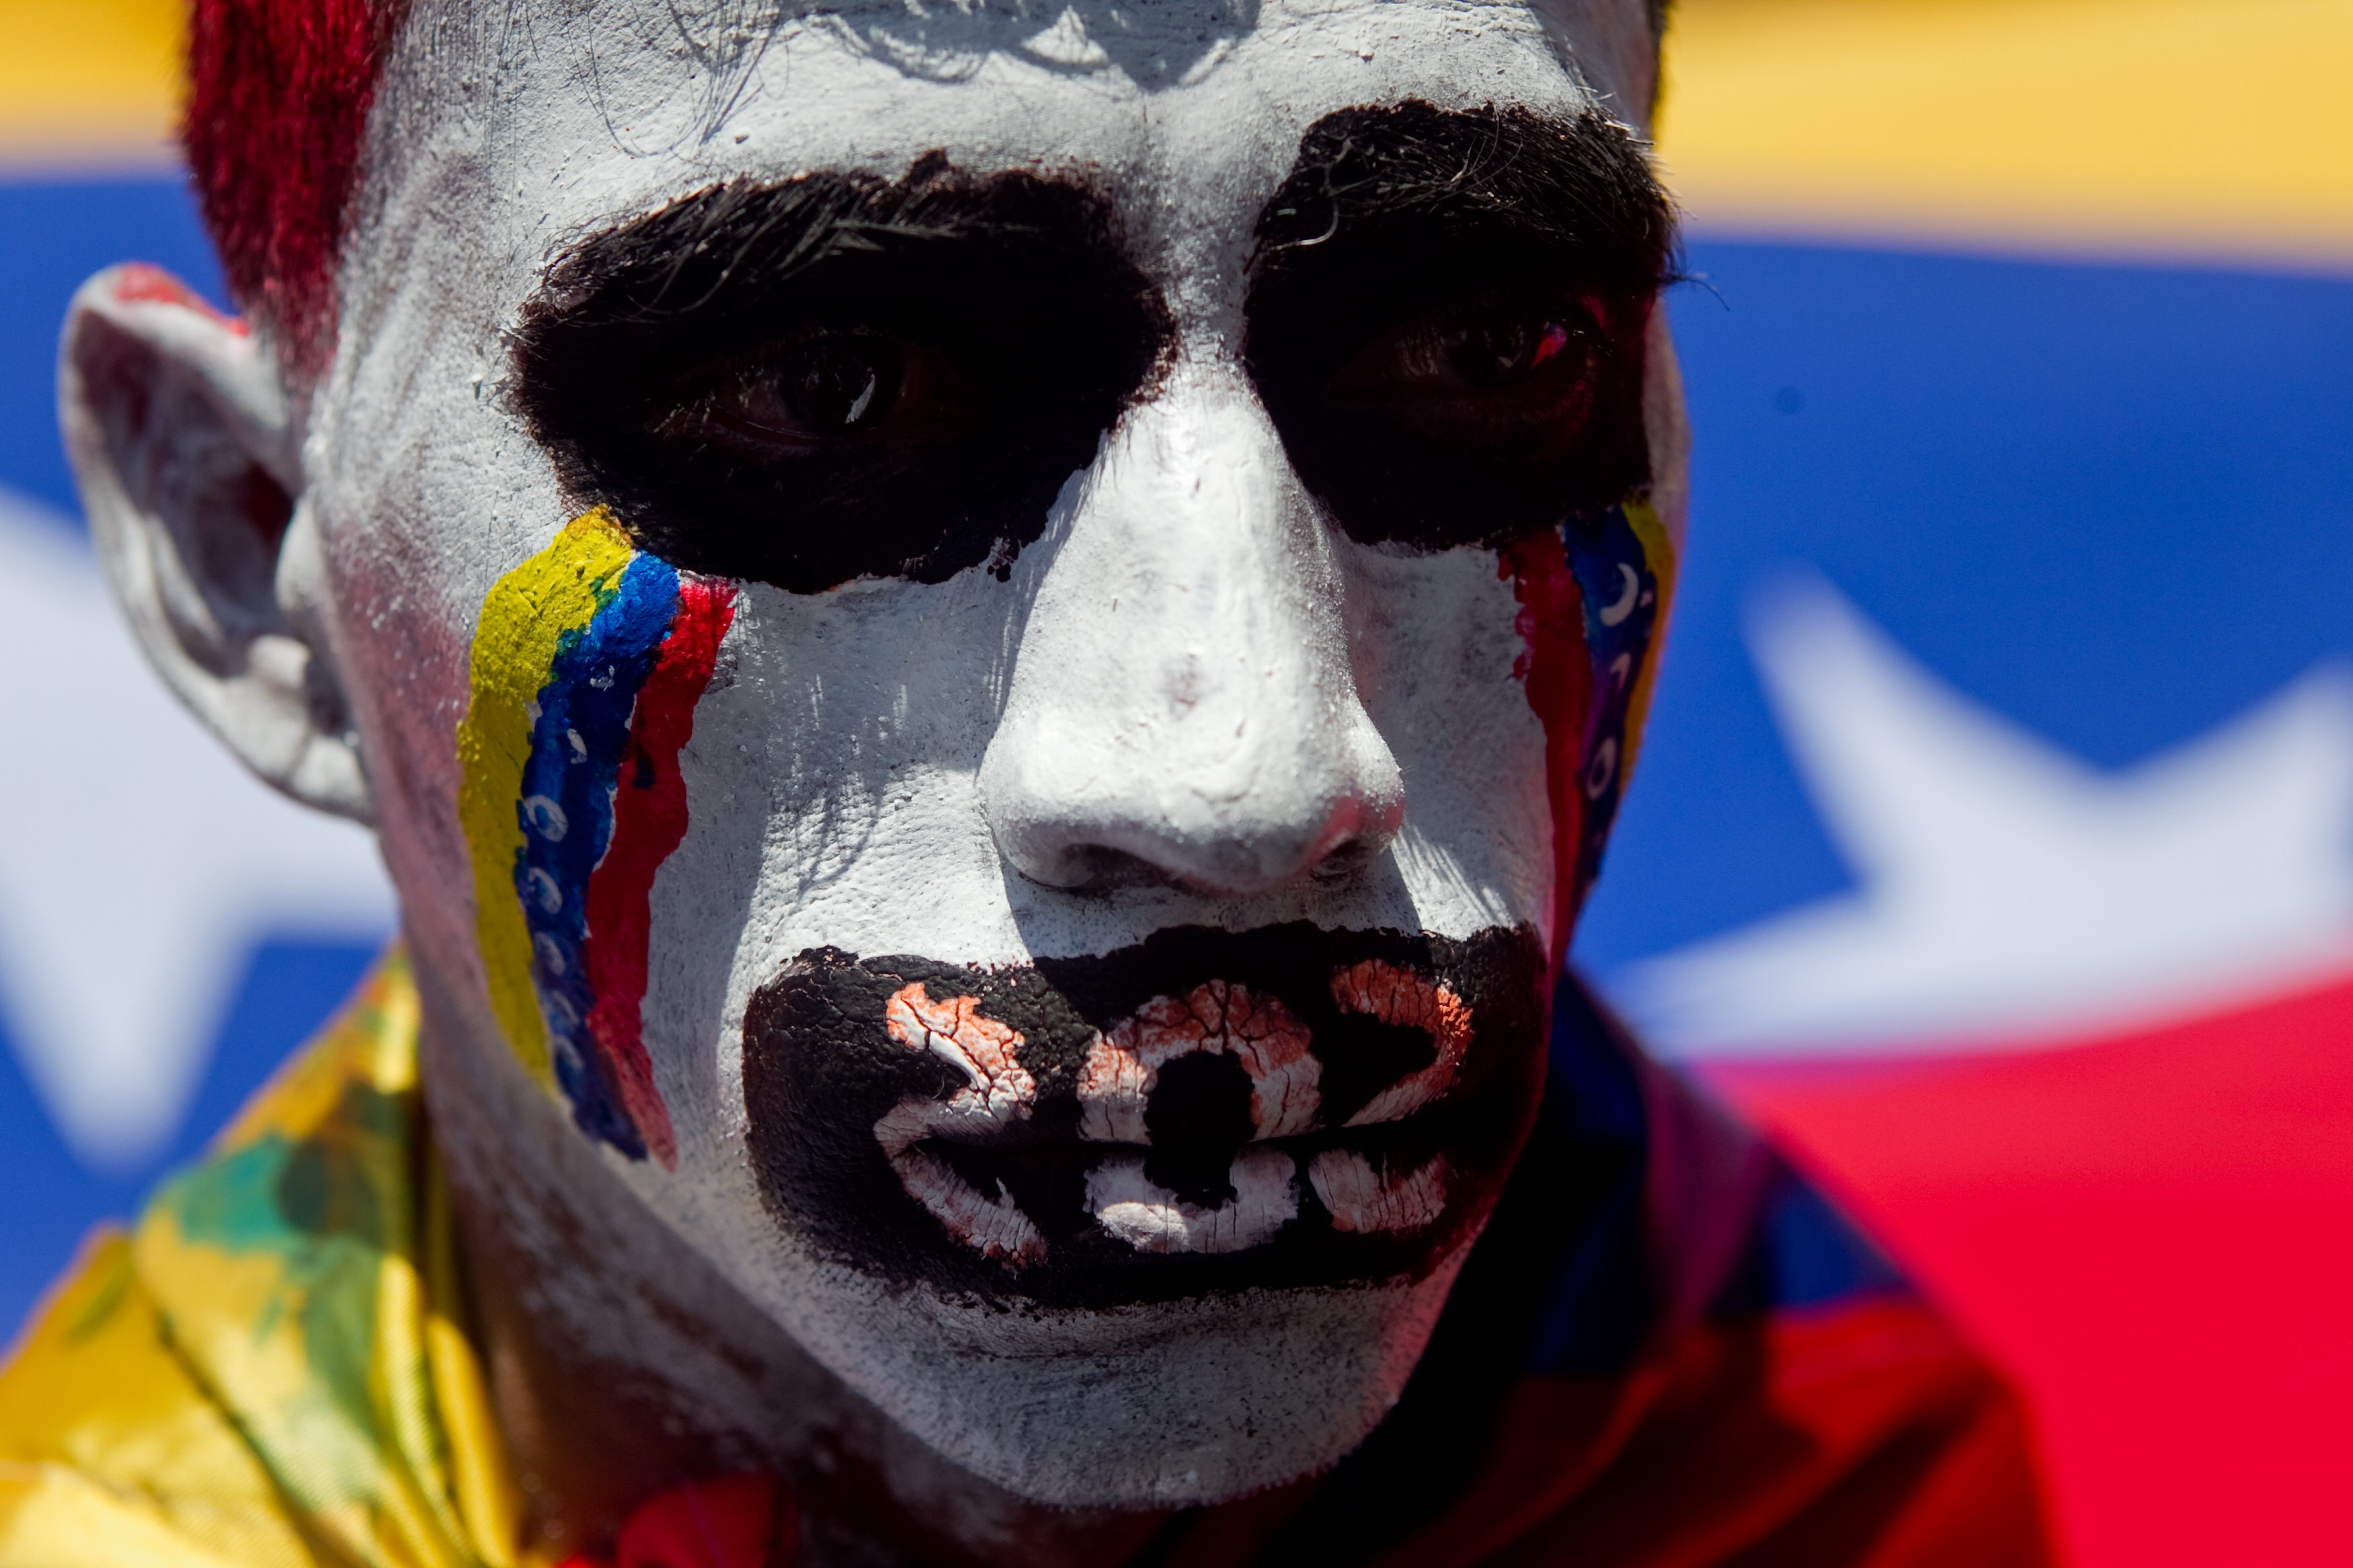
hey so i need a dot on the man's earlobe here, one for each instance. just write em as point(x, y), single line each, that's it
point(181, 437)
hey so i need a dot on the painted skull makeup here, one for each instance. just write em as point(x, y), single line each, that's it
point(1205, 1111)
point(992, 690)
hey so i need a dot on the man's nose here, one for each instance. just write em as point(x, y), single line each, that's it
point(1183, 708)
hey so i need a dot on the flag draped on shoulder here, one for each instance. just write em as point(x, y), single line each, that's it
point(272, 1367)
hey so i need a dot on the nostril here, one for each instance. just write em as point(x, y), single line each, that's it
point(1344, 859)
point(1100, 868)
point(1217, 868)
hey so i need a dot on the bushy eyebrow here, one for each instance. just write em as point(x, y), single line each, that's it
point(751, 238)
point(1580, 186)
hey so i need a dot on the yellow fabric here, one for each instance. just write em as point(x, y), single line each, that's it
point(273, 1367)
point(90, 81)
point(2191, 127)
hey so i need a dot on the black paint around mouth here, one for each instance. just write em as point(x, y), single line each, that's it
point(820, 1069)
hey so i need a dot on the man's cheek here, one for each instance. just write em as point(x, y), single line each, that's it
point(1589, 615)
point(587, 663)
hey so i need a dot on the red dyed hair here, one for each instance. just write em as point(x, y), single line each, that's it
point(278, 93)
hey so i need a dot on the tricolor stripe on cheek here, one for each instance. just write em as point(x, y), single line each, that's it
point(587, 665)
point(1593, 595)
point(1654, 552)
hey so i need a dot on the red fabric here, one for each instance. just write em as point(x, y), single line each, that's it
point(279, 92)
point(732, 1521)
point(2149, 1233)
point(1861, 1435)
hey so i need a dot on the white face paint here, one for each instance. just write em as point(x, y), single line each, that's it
point(1090, 996)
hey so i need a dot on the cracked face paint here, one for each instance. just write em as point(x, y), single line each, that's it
point(587, 663)
point(1065, 936)
point(1207, 1110)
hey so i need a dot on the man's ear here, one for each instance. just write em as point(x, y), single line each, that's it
point(180, 432)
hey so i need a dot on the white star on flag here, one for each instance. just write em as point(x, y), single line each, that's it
point(141, 864)
point(2007, 888)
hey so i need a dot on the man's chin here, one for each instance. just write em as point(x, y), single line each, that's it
point(1169, 1404)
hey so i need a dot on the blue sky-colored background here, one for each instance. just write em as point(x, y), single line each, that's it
point(52, 236)
point(2113, 502)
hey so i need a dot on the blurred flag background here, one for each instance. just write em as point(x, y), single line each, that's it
point(1994, 840)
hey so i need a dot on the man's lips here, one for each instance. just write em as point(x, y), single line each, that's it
point(1283, 1106)
point(1137, 1097)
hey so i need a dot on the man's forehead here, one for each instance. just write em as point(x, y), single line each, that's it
point(1193, 109)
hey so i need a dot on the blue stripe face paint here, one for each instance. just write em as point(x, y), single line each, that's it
point(579, 738)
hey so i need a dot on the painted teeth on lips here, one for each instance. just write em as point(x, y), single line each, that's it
point(1184, 1109)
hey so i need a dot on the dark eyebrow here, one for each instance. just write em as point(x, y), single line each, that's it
point(745, 241)
point(1578, 187)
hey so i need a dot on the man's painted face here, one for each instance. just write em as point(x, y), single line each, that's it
point(1039, 653)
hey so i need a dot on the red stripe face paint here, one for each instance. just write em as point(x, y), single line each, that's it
point(650, 820)
point(1559, 676)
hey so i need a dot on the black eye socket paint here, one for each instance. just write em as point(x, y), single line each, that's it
point(1447, 317)
point(839, 376)
point(1207, 1110)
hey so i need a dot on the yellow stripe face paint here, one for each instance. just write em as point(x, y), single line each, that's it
point(525, 621)
point(1659, 554)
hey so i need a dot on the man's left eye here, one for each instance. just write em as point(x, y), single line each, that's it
point(1500, 409)
point(1506, 352)
point(1499, 373)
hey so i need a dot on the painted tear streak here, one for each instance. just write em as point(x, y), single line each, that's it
point(1624, 570)
point(1558, 677)
point(1411, 1001)
point(1150, 1218)
point(1215, 1017)
point(1363, 1201)
point(1593, 594)
point(581, 729)
point(587, 663)
point(998, 1092)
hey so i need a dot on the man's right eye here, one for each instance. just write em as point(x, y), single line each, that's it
point(828, 390)
point(831, 379)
